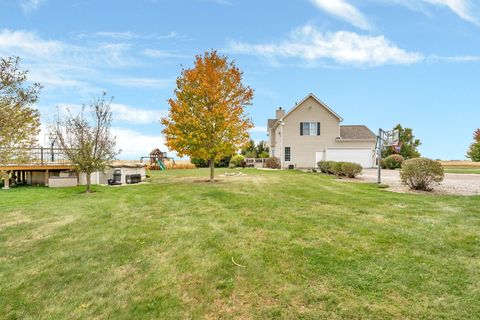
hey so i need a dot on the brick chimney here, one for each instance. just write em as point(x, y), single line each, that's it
point(279, 113)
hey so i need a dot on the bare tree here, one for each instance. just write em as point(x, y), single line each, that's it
point(87, 143)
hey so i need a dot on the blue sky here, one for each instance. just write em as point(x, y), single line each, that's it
point(375, 62)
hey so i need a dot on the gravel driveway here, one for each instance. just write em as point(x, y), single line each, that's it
point(459, 184)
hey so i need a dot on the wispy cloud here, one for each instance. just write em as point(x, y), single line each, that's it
point(162, 54)
point(142, 82)
point(465, 9)
point(345, 11)
point(122, 112)
point(342, 47)
point(31, 5)
point(129, 35)
point(259, 129)
point(59, 64)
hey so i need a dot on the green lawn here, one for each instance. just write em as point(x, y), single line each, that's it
point(312, 247)
point(463, 170)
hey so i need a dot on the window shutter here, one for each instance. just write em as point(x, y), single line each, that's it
point(301, 128)
point(318, 128)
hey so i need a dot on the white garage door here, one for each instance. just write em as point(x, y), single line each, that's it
point(362, 156)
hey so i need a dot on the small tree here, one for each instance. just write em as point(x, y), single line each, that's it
point(207, 117)
point(473, 152)
point(89, 145)
point(19, 121)
point(409, 144)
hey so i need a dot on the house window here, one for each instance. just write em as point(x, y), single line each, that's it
point(273, 152)
point(287, 154)
point(309, 128)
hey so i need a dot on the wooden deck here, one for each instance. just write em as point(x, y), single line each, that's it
point(36, 167)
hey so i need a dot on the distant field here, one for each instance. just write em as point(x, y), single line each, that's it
point(460, 164)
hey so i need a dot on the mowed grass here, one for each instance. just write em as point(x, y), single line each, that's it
point(463, 170)
point(311, 247)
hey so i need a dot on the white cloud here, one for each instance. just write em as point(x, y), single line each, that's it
point(58, 64)
point(135, 144)
point(155, 53)
point(341, 47)
point(468, 10)
point(30, 5)
point(463, 8)
point(129, 35)
point(124, 112)
point(259, 129)
point(142, 82)
point(345, 11)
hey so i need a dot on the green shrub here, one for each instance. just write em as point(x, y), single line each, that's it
point(272, 163)
point(237, 160)
point(383, 164)
point(337, 168)
point(325, 166)
point(341, 169)
point(421, 173)
point(264, 155)
point(394, 161)
point(351, 170)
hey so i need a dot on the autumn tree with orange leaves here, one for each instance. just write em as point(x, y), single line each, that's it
point(207, 118)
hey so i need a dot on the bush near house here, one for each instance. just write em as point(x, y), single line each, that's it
point(422, 173)
point(272, 163)
point(237, 161)
point(341, 169)
point(325, 166)
point(394, 161)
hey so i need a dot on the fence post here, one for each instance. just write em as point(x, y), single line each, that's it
point(41, 155)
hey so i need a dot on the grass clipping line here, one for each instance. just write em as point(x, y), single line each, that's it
point(238, 265)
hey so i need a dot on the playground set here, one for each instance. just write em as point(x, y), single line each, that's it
point(157, 160)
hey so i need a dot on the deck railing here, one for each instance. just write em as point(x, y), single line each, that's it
point(39, 156)
point(256, 162)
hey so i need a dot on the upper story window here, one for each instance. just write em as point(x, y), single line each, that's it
point(309, 128)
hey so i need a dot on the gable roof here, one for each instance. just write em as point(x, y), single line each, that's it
point(310, 95)
point(358, 132)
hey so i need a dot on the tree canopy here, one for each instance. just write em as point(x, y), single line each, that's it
point(409, 144)
point(473, 152)
point(19, 120)
point(207, 118)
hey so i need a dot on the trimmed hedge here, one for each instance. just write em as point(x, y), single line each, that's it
point(422, 173)
point(341, 169)
point(394, 161)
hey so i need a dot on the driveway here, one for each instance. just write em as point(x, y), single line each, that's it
point(459, 184)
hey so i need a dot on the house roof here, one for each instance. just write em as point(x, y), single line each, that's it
point(310, 95)
point(358, 132)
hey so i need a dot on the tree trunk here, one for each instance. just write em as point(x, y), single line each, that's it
point(89, 182)
point(212, 167)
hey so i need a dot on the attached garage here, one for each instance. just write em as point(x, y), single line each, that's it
point(362, 156)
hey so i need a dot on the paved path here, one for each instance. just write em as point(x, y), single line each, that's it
point(462, 184)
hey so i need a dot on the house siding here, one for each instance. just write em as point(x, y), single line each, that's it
point(304, 148)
